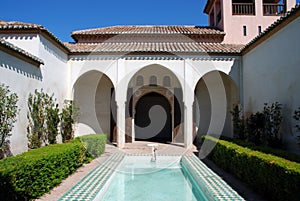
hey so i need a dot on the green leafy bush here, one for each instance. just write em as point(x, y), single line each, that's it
point(94, 143)
point(261, 128)
point(43, 118)
point(273, 177)
point(238, 123)
point(34, 173)
point(296, 116)
point(8, 116)
point(265, 149)
point(69, 116)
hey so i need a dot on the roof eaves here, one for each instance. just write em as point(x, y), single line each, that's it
point(20, 52)
point(34, 27)
point(273, 28)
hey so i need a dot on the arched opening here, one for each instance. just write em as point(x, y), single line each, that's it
point(153, 120)
point(142, 98)
point(93, 93)
point(204, 105)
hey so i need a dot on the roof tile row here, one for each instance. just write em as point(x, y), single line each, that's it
point(151, 30)
point(154, 47)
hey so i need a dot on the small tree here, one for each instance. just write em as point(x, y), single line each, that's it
point(238, 123)
point(273, 119)
point(43, 117)
point(8, 116)
point(255, 127)
point(297, 118)
point(69, 117)
point(36, 119)
point(52, 121)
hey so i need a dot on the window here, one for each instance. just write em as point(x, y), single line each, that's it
point(243, 7)
point(245, 30)
point(139, 81)
point(167, 81)
point(259, 29)
point(274, 7)
point(153, 81)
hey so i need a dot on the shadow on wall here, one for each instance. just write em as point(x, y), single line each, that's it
point(24, 69)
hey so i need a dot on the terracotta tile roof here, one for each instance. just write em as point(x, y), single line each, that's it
point(154, 47)
point(155, 29)
point(9, 46)
point(19, 26)
point(293, 13)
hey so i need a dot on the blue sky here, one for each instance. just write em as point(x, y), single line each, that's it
point(62, 17)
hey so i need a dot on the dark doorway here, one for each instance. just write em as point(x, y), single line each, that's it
point(153, 120)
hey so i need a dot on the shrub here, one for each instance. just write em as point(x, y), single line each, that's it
point(273, 120)
point(52, 121)
point(8, 116)
point(68, 116)
point(94, 143)
point(271, 176)
point(265, 149)
point(297, 118)
point(43, 119)
point(261, 128)
point(34, 173)
point(238, 123)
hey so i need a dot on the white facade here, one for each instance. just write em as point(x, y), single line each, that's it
point(196, 84)
point(271, 73)
point(23, 78)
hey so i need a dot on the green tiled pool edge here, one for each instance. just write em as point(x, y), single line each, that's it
point(213, 186)
point(88, 187)
point(210, 183)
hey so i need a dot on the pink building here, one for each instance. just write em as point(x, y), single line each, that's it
point(242, 20)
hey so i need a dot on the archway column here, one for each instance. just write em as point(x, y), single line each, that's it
point(188, 125)
point(121, 124)
point(188, 99)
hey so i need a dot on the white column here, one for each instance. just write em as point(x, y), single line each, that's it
point(188, 99)
point(120, 124)
point(188, 125)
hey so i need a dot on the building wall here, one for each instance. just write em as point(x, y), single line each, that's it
point(271, 73)
point(22, 78)
point(52, 77)
point(233, 24)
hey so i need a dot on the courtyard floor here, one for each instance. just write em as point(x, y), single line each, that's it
point(142, 148)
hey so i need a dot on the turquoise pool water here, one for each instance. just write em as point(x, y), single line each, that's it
point(137, 178)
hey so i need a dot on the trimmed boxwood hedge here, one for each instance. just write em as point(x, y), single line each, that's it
point(268, 150)
point(273, 177)
point(94, 143)
point(32, 174)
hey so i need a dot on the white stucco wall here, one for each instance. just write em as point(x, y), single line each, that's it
point(271, 73)
point(52, 77)
point(22, 78)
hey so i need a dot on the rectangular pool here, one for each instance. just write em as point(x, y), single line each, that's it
point(137, 178)
point(123, 177)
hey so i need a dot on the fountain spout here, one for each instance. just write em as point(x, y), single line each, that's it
point(154, 149)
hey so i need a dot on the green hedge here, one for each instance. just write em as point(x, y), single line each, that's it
point(268, 150)
point(34, 173)
point(94, 143)
point(273, 177)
